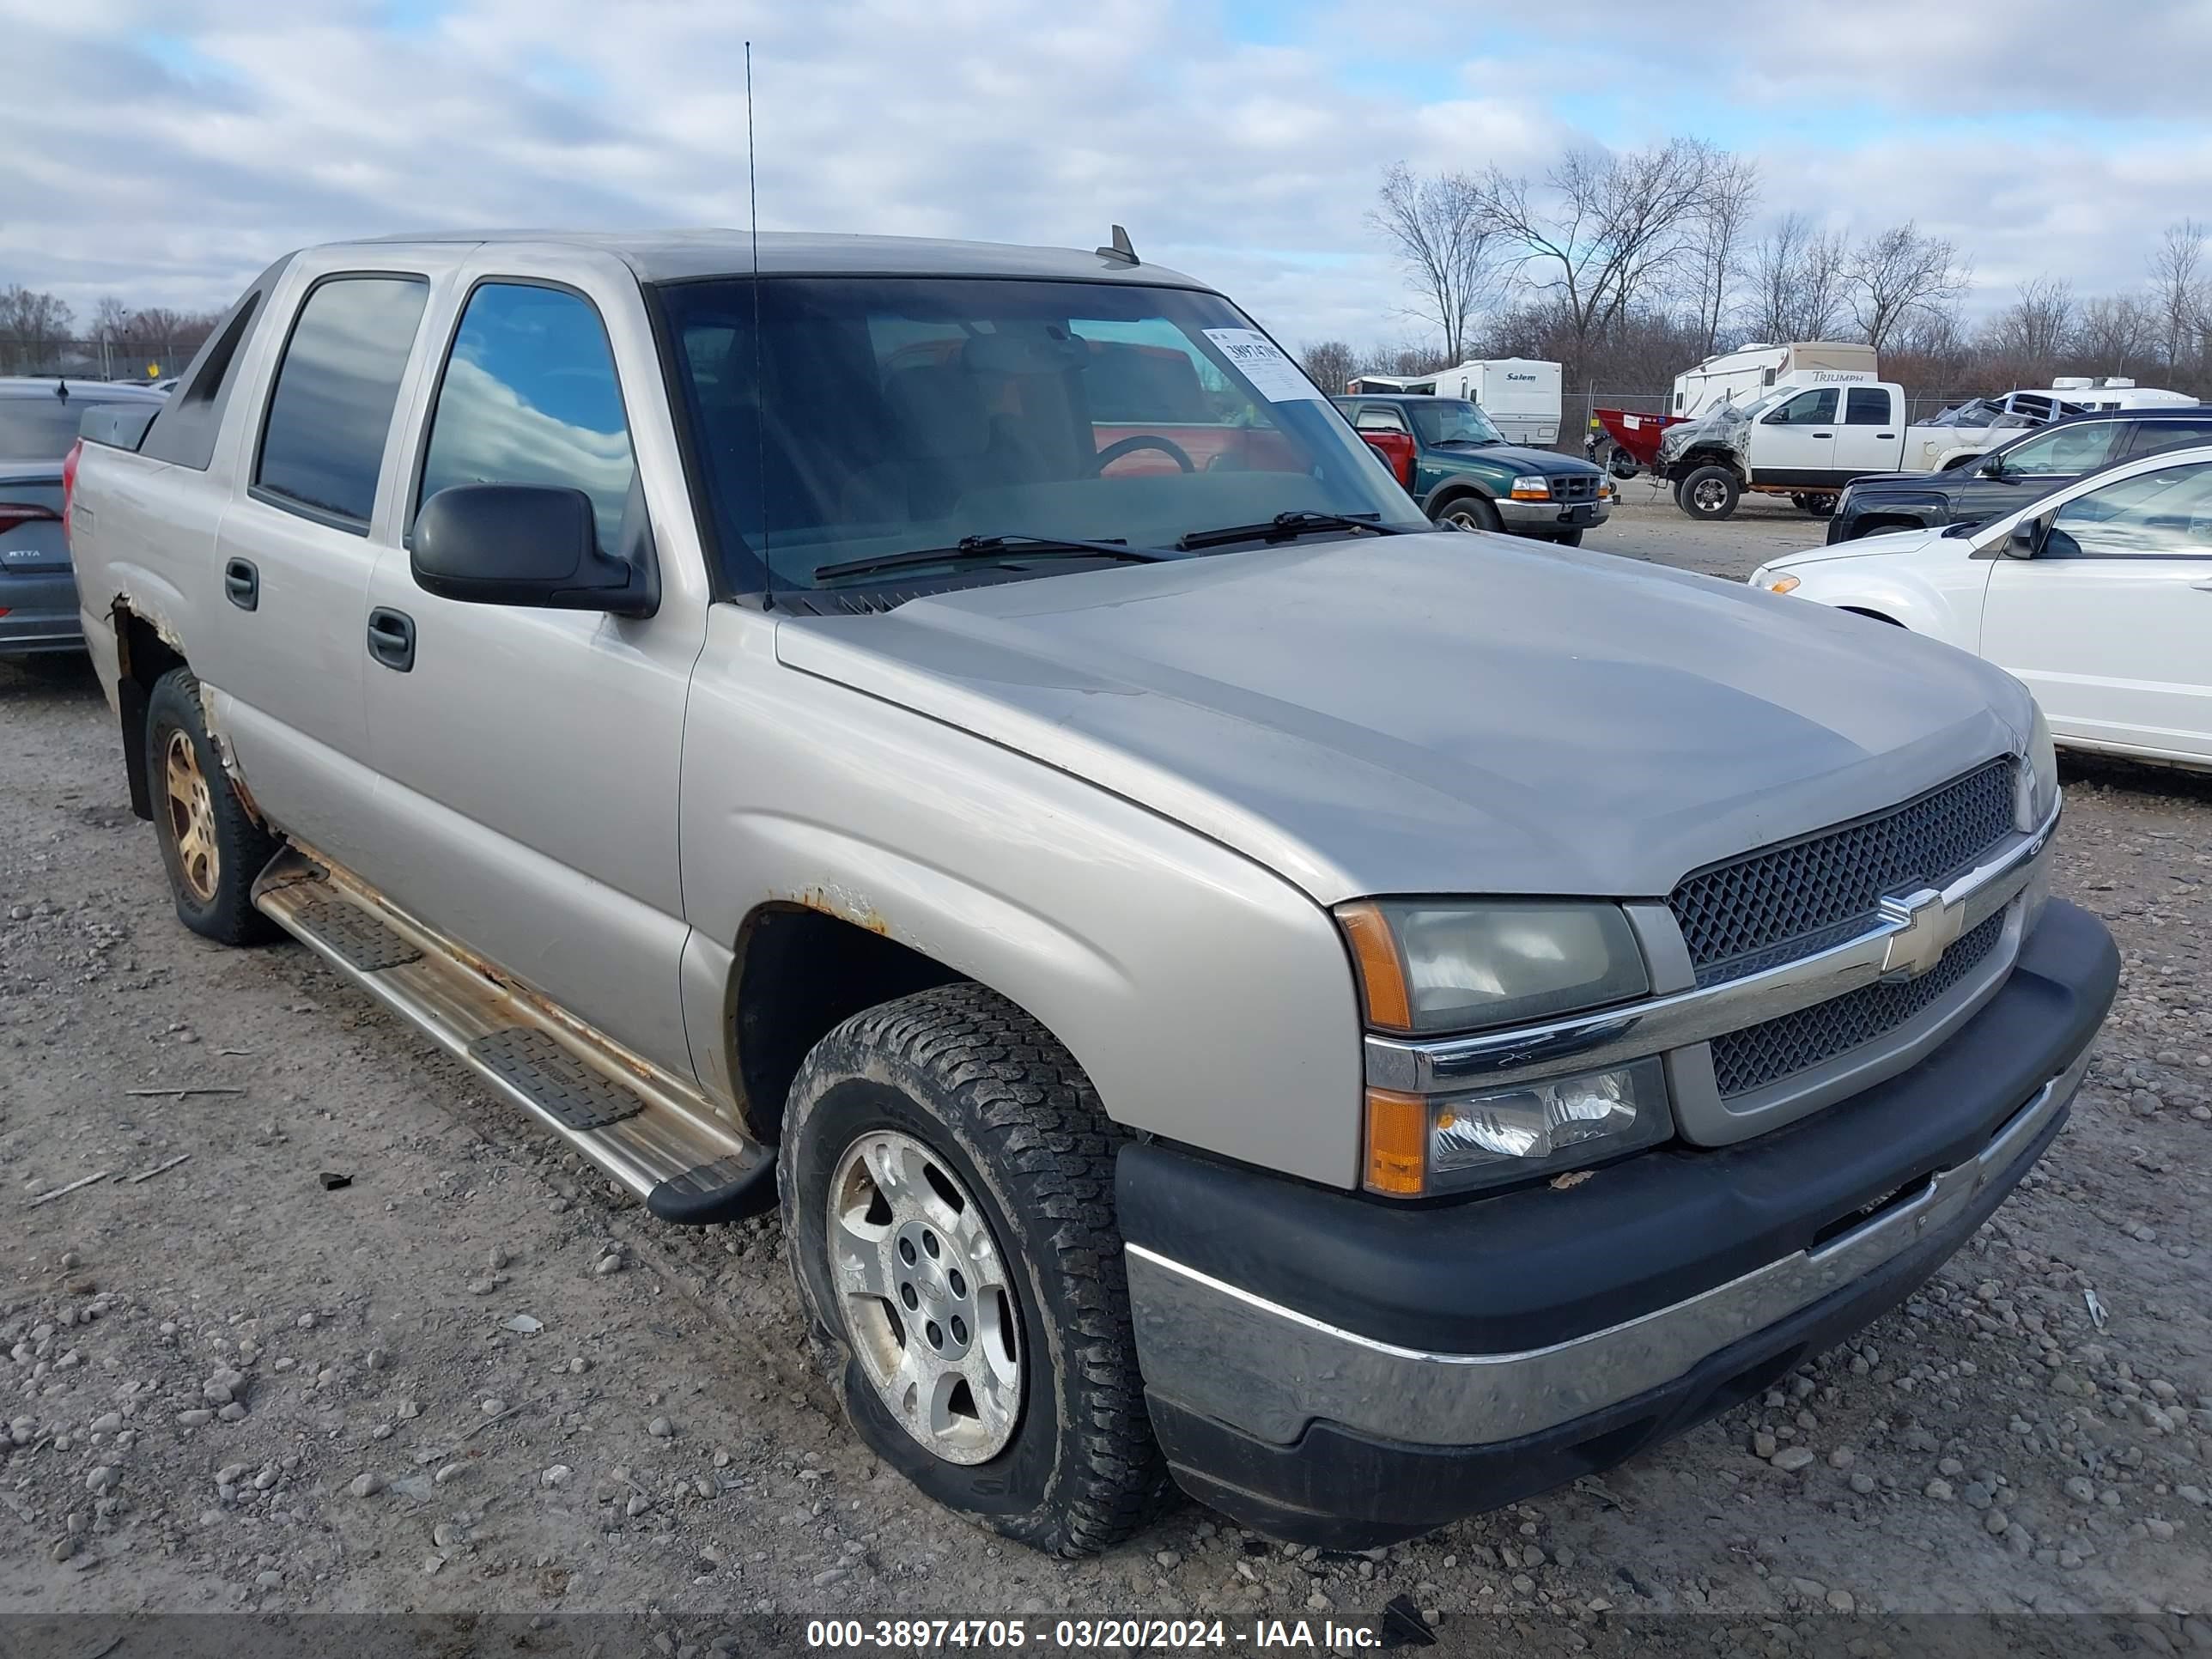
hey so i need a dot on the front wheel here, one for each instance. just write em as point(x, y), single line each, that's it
point(1568, 538)
point(946, 1176)
point(1471, 512)
point(1710, 492)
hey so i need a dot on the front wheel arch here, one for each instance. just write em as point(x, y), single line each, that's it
point(1474, 503)
point(1871, 616)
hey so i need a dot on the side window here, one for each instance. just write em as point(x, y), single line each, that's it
point(1806, 408)
point(2065, 452)
point(529, 397)
point(2162, 515)
point(1379, 417)
point(322, 441)
point(2152, 437)
point(1866, 405)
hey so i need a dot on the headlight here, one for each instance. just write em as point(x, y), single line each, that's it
point(1532, 487)
point(1430, 965)
point(1775, 581)
point(2039, 780)
point(1419, 1146)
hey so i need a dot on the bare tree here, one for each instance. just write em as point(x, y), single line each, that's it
point(29, 314)
point(1436, 231)
point(2114, 332)
point(1897, 273)
point(1603, 232)
point(1797, 275)
point(2035, 329)
point(1716, 249)
point(1329, 364)
point(2182, 295)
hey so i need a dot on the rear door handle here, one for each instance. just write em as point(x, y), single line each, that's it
point(241, 584)
point(1824, 434)
point(392, 638)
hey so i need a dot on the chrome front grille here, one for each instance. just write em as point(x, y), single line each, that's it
point(1775, 906)
point(1761, 1055)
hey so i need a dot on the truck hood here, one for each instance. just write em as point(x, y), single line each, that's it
point(1519, 457)
point(1440, 714)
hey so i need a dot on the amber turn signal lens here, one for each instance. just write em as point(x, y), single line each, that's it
point(1397, 1143)
point(1382, 979)
point(1783, 584)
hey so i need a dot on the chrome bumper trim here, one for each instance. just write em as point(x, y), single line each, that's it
point(1666, 1022)
point(1270, 1370)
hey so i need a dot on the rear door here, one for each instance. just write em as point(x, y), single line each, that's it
point(294, 554)
point(2111, 623)
point(1795, 443)
point(1871, 438)
point(2151, 437)
point(529, 758)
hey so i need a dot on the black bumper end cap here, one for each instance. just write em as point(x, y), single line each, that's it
point(728, 1189)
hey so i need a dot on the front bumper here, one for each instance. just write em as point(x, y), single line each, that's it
point(1550, 518)
point(39, 613)
point(1343, 1372)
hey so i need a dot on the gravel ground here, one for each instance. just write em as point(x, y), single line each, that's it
point(470, 1378)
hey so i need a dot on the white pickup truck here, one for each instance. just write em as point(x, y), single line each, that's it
point(1806, 443)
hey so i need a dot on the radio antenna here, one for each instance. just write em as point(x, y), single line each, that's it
point(760, 382)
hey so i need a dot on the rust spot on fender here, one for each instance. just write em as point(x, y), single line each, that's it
point(846, 907)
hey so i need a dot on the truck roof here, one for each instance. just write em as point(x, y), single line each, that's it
point(675, 256)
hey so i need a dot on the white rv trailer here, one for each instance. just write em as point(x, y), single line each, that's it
point(1737, 377)
point(1520, 395)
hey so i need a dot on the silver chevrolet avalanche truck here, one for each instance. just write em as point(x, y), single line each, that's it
point(1229, 985)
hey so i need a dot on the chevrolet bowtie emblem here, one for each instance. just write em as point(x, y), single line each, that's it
point(1926, 927)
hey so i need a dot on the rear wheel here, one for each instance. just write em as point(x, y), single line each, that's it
point(211, 845)
point(947, 1181)
point(1821, 506)
point(1710, 492)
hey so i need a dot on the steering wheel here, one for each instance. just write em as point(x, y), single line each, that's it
point(1114, 451)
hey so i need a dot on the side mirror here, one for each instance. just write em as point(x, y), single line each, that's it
point(2025, 540)
point(526, 544)
point(1992, 466)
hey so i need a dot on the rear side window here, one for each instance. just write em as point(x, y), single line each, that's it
point(1866, 405)
point(322, 441)
point(530, 397)
point(2154, 436)
point(184, 433)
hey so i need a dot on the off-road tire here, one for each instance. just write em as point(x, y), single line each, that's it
point(992, 1093)
point(242, 849)
point(1471, 512)
point(1708, 494)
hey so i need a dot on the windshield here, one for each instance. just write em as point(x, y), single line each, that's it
point(1452, 421)
point(889, 415)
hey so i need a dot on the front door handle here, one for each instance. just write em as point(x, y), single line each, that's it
point(1824, 434)
point(1885, 434)
point(392, 638)
point(241, 584)
point(2205, 586)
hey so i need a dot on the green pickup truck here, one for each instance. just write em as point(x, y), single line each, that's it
point(1462, 470)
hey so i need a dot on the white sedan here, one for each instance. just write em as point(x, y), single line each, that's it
point(2099, 596)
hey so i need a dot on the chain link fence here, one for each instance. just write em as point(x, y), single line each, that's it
point(94, 360)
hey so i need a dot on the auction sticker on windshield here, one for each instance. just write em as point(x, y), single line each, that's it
point(1260, 360)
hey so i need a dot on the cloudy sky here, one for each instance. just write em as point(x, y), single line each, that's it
point(165, 151)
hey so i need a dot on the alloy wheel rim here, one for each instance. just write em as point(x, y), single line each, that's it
point(926, 1296)
point(191, 816)
point(1709, 494)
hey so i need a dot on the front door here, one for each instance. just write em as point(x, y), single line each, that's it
point(2034, 466)
point(1796, 444)
point(2111, 622)
point(530, 757)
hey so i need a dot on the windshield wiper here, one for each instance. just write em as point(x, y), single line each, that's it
point(1283, 527)
point(1011, 543)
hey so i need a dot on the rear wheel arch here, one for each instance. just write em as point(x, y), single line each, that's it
point(1880, 524)
point(142, 656)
